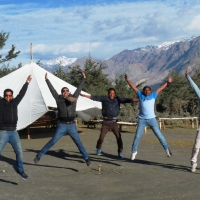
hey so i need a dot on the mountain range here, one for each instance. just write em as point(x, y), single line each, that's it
point(150, 64)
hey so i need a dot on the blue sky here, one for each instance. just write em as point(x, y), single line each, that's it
point(102, 28)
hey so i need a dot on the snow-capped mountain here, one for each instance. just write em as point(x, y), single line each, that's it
point(151, 63)
point(154, 63)
point(53, 65)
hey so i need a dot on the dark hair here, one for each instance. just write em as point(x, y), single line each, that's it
point(64, 88)
point(145, 88)
point(110, 89)
point(7, 90)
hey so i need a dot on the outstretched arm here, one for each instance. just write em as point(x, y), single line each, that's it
point(162, 87)
point(51, 88)
point(130, 83)
point(79, 88)
point(193, 85)
point(85, 95)
point(22, 92)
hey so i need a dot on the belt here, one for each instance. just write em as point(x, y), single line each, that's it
point(71, 122)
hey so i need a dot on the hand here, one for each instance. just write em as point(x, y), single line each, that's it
point(46, 77)
point(82, 95)
point(29, 78)
point(170, 79)
point(186, 73)
point(83, 73)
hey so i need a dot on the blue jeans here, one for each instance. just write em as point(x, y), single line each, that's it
point(13, 138)
point(62, 130)
point(142, 123)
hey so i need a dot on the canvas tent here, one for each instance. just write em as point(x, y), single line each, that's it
point(38, 98)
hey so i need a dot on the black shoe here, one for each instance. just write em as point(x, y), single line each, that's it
point(88, 162)
point(23, 175)
point(36, 159)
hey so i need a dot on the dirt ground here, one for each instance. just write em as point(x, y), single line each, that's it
point(62, 173)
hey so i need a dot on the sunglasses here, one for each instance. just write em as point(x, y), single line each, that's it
point(65, 90)
point(8, 95)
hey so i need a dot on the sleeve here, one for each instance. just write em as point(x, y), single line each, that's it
point(79, 88)
point(22, 92)
point(194, 86)
point(125, 100)
point(98, 98)
point(52, 90)
point(139, 94)
point(154, 94)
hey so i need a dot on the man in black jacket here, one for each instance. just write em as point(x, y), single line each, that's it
point(66, 104)
point(8, 124)
point(110, 110)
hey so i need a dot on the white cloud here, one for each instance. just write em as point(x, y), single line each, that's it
point(103, 30)
point(63, 49)
point(194, 24)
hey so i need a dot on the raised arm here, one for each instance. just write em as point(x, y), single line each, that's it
point(22, 92)
point(51, 88)
point(193, 85)
point(162, 87)
point(131, 84)
point(79, 88)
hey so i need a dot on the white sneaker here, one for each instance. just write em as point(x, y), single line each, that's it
point(169, 153)
point(133, 155)
point(194, 166)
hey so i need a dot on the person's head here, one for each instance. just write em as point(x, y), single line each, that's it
point(65, 92)
point(147, 90)
point(111, 93)
point(8, 94)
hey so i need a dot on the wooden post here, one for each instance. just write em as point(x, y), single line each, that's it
point(163, 123)
point(192, 122)
point(28, 131)
point(160, 124)
point(197, 122)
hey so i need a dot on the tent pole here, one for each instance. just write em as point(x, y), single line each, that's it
point(31, 53)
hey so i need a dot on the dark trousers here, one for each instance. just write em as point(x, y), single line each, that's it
point(113, 126)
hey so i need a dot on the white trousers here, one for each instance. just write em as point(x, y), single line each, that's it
point(196, 147)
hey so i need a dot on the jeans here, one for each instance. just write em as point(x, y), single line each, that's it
point(62, 130)
point(13, 138)
point(196, 147)
point(142, 123)
point(113, 126)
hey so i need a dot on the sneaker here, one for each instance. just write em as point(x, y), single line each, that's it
point(133, 155)
point(36, 159)
point(88, 162)
point(120, 155)
point(169, 153)
point(23, 175)
point(99, 152)
point(194, 165)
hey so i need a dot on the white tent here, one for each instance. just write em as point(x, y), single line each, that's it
point(38, 97)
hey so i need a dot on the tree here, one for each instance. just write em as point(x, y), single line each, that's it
point(5, 69)
point(96, 83)
point(11, 53)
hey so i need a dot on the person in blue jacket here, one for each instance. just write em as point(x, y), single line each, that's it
point(147, 115)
